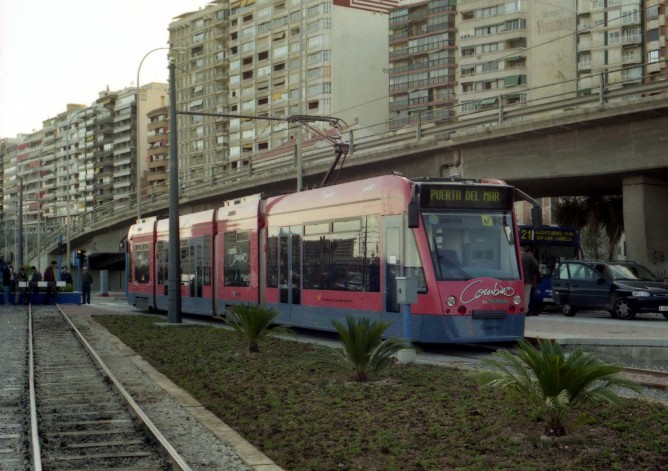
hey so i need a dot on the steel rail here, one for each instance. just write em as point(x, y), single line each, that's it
point(662, 376)
point(172, 454)
point(34, 426)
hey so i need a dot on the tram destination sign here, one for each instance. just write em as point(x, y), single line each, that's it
point(444, 196)
point(556, 235)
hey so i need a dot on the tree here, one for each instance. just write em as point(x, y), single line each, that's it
point(594, 213)
point(251, 323)
point(611, 218)
point(571, 211)
point(364, 351)
point(553, 383)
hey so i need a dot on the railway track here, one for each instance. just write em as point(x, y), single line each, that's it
point(77, 416)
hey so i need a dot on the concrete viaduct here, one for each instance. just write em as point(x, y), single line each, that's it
point(582, 146)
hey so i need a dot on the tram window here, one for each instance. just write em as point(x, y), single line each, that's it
point(237, 259)
point(322, 228)
point(204, 271)
point(142, 272)
point(467, 245)
point(272, 258)
point(187, 273)
point(163, 252)
point(196, 260)
point(345, 258)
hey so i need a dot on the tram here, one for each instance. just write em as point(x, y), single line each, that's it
point(322, 254)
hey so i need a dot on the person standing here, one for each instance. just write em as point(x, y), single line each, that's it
point(35, 278)
point(21, 291)
point(2, 262)
point(86, 285)
point(7, 273)
point(530, 274)
point(66, 276)
point(50, 278)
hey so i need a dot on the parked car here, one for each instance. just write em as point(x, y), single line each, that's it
point(622, 288)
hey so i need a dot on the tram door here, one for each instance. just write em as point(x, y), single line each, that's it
point(289, 264)
point(192, 257)
point(392, 259)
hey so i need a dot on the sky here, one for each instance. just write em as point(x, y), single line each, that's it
point(55, 52)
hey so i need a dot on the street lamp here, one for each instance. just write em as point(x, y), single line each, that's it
point(137, 148)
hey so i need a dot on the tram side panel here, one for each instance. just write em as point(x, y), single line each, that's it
point(197, 263)
point(324, 256)
point(141, 269)
point(237, 274)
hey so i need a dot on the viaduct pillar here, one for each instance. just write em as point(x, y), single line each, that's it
point(646, 222)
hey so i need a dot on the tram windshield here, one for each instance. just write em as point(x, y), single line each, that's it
point(466, 245)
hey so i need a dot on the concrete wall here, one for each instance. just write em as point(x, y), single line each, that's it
point(645, 222)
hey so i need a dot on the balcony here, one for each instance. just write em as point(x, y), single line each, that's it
point(631, 39)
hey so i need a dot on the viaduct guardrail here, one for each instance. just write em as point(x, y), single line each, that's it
point(262, 173)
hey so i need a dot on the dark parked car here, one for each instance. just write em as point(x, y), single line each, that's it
point(622, 288)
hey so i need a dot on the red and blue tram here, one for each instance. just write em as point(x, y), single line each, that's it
point(321, 254)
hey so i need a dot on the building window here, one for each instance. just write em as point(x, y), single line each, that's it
point(653, 35)
point(652, 56)
point(489, 66)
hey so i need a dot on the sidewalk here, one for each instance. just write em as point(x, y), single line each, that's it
point(646, 329)
point(639, 343)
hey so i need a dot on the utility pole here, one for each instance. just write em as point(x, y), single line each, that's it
point(174, 282)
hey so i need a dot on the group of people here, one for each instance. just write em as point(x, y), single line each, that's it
point(11, 281)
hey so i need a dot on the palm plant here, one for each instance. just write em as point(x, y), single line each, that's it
point(251, 323)
point(364, 350)
point(553, 383)
point(571, 211)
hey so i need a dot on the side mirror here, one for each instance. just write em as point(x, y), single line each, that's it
point(413, 215)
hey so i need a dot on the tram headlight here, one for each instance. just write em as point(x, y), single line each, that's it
point(517, 300)
point(451, 301)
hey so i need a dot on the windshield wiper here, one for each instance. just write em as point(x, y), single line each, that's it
point(448, 263)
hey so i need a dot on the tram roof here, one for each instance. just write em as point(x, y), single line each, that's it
point(388, 187)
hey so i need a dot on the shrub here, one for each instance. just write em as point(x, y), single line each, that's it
point(364, 351)
point(251, 323)
point(554, 384)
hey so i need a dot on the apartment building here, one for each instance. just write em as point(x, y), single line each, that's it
point(158, 151)
point(610, 44)
point(275, 59)
point(125, 151)
point(8, 152)
point(201, 86)
point(28, 185)
point(83, 159)
point(514, 52)
point(422, 61)
point(655, 34)
point(99, 170)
